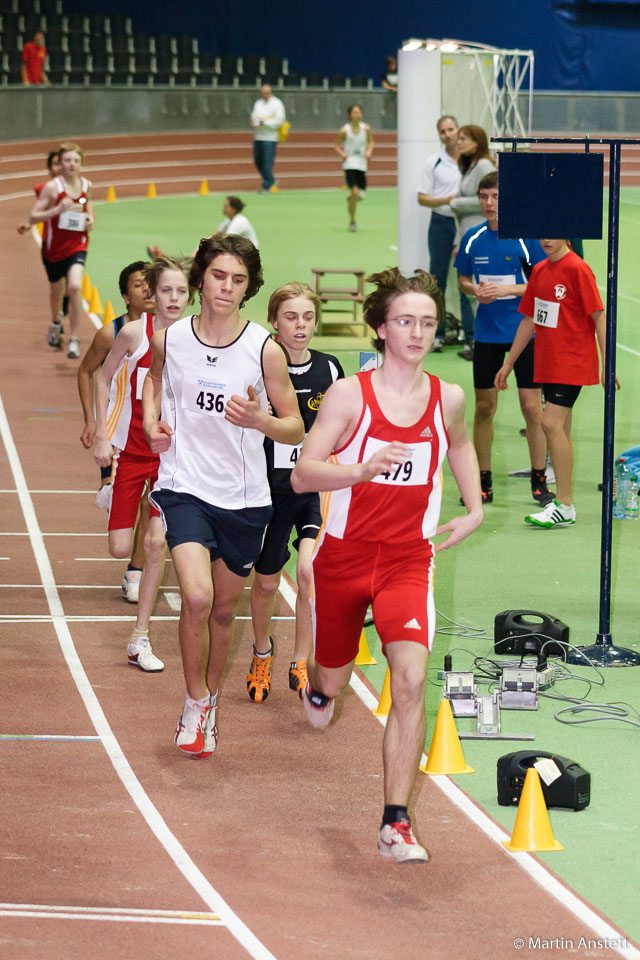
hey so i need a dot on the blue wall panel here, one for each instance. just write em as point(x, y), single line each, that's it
point(578, 44)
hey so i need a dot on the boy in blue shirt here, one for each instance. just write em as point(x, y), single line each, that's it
point(494, 271)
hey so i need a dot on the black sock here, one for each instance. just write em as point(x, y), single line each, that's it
point(105, 473)
point(132, 566)
point(317, 699)
point(486, 479)
point(538, 476)
point(65, 305)
point(393, 814)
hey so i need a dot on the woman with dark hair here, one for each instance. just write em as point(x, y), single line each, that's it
point(474, 162)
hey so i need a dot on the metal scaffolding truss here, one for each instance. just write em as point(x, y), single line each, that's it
point(507, 91)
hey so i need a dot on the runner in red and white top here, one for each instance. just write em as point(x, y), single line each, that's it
point(65, 208)
point(562, 304)
point(375, 451)
point(119, 424)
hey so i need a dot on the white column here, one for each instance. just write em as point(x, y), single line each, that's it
point(419, 107)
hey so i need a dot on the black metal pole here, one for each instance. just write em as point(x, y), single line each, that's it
point(604, 634)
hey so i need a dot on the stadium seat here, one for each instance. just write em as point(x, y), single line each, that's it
point(206, 63)
point(56, 62)
point(77, 78)
point(165, 44)
point(97, 43)
point(54, 36)
point(186, 44)
point(184, 78)
point(273, 79)
point(122, 62)
point(77, 43)
point(142, 78)
point(118, 23)
point(360, 82)
point(228, 63)
point(291, 80)
point(163, 78)
point(316, 80)
point(142, 43)
point(11, 63)
point(9, 38)
point(51, 7)
point(337, 80)
point(97, 24)
point(121, 78)
point(276, 64)
point(99, 78)
point(78, 62)
point(31, 22)
point(204, 79)
point(98, 62)
point(226, 80)
point(165, 62)
point(75, 23)
point(185, 62)
point(249, 80)
point(121, 43)
point(144, 63)
point(251, 65)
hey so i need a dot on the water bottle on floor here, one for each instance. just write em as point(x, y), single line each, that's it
point(632, 499)
point(620, 488)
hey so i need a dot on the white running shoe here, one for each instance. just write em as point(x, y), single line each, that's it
point(141, 655)
point(189, 735)
point(53, 334)
point(210, 734)
point(397, 842)
point(131, 585)
point(555, 514)
point(73, 350)
point(104, 496)
point(319, 715)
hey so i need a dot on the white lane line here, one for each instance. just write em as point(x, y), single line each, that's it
point(536, 870)
point(48, 736)
point(120, 916)
point(44, 618)
point(132, 785)
point(133, 911)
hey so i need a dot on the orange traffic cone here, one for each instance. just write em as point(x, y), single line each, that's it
point(151, 192)
point(109, 313)
point(95, 303)
point(364, 658)
point(532, 829)
point(445, 753)
point(86, 287)
point(384, 703)
point(111, 195)
point(204, 188)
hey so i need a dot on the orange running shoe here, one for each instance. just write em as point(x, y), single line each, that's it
point(298, 676)
point(259, 676)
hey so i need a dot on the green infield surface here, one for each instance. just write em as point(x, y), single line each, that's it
point(505, 564)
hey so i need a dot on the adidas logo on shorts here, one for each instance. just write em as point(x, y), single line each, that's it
point(412, 624)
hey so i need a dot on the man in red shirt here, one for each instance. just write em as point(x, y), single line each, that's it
point(563, 305)
point(33, 57)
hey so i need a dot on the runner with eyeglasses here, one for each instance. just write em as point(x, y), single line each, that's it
point(376, 450)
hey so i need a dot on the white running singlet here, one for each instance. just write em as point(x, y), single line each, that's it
point(209, 457)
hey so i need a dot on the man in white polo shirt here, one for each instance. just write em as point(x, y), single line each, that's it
point(439, 183)
point(267, 116)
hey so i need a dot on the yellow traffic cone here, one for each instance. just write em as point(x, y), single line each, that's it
point(111, 195)
point(95, 303)
point(384, 703)
point(86, 287)
point(445, 753)
point(364, 658)
point(109, 314)
point(532, 829)
point(151, 192)
point(204, 189)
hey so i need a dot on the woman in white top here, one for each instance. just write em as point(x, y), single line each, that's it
point(474, 163)
point(354, 145)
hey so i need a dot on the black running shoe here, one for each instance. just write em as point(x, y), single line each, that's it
point(541, 493)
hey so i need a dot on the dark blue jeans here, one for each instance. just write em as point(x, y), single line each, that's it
point(442, 232)
point(264, 155)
